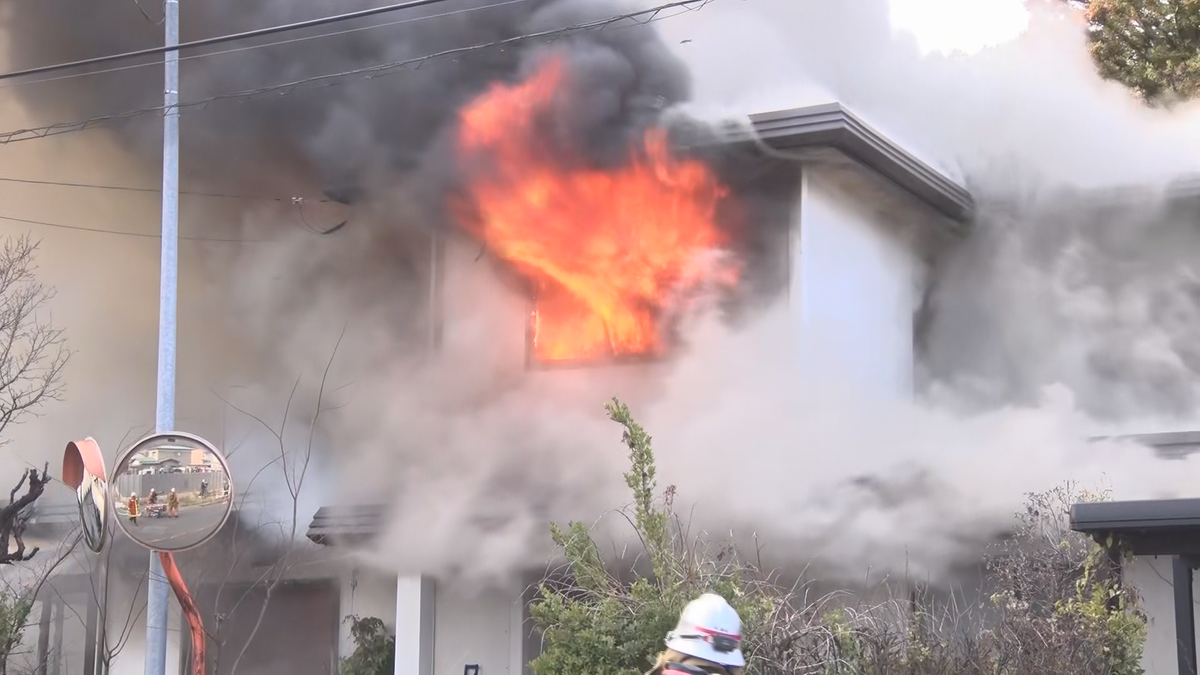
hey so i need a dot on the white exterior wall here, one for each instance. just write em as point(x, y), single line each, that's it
point(365, 593)
point(1151, 576)
point(478, 628)
point(441, 629)
point(853, 289)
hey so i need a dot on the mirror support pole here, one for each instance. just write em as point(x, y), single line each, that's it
point(164, 418)
point(101, 586)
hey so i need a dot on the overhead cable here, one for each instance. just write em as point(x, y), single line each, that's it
point(367, 72)
point(219, 39)
point(261, 45)
point(143, 235)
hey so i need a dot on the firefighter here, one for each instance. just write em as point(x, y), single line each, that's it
point(173, 504)
point(133, 507)
point(152, 498)
point(707, 640)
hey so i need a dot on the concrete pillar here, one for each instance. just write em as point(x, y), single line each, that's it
point(1185, 615)
point(524, 642)
point(56, 655)
point(415, 598)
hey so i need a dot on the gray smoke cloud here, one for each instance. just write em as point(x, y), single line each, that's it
point(1035, 336)
point(1079, 289)
point(358, 135)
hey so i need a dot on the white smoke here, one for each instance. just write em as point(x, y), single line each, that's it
point(816, 468)
point(475, 455)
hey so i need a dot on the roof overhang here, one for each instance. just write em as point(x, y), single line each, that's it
point(346, 525)
point(1144, 527)
point(832, 126)
point(1168, 444)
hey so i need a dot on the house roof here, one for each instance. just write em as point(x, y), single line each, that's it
point(155, 462)
point(1146, 527)
point(332, 525)
point(833, 126)
point(1168, 444)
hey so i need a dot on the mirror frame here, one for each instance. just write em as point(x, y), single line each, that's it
point(156, 438)
point(82, 469)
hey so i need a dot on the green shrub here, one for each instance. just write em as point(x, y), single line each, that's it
point(374, 648)
point(1057, 607)
point(592, 621)
point(15, 607)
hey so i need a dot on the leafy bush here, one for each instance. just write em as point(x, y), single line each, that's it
point(15, 607)
point(1057, 606)
point(374, 648)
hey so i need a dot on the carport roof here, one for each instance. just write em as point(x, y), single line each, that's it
point(1145, 527)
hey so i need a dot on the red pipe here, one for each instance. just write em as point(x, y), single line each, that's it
point(194, 619)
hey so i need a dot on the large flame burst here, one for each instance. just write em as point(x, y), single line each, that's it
point(607, 250)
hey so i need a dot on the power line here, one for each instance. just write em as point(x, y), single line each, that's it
point(131, 188)
point(98, 230)
point(298, 202)
point(369, 72)
point(264, 45)
point(219, 39)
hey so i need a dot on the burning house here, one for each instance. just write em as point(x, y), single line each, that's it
point(610, 249)
point(548, 192)
point(866, 220)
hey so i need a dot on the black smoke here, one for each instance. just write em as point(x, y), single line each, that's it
point(345, 137)
point(356, 139)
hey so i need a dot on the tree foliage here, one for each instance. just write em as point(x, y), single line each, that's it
point(15, 608)
point(1151, 46)
point(33, 355)
point(1057, 606)
point(595, 623)
point(374, 648)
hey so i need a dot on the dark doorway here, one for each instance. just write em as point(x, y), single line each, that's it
point(298, 634)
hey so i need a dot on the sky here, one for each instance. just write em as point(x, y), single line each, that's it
point(959, 25)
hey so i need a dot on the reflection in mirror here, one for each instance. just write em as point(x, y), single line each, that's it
point(83, 470)
point(93, 507)
point(171, 492)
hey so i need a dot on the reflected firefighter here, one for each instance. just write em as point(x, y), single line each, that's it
point(172, 504)
point(154, 509)
point(133, 507)
point(707, 640)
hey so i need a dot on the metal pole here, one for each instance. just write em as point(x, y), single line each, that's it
point(1185, 615)
point(158, 593)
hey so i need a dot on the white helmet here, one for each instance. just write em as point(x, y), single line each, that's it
point(711, 630)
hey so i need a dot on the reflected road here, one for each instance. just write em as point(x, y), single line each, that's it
point(193, 524)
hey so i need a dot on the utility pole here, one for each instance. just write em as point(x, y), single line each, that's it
point(158, 592)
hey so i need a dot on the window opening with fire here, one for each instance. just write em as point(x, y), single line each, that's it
point(611, 251)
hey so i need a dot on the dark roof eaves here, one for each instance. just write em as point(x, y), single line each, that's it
point(335, 524)
point(832, 125)
point(1137, 515)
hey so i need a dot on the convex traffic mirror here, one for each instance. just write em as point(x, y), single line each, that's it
point(171, 492)
point(83, 471)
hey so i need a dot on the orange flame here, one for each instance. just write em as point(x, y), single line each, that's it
point(607, 249)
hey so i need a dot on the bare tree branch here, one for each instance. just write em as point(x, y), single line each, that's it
point(293, 462)
point(15, 516)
